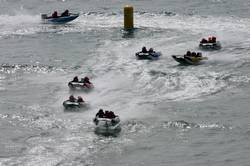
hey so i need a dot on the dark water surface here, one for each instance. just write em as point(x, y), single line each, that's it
point(171, 115)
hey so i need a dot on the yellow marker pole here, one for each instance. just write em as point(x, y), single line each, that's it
point(128, 17)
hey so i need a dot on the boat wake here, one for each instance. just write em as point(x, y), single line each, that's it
point(26, 68)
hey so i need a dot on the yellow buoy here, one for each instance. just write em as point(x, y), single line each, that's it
point(128, 17)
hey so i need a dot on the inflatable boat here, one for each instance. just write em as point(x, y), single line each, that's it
point(189, 60)
point(147, 55)
point(107, 126)
point(210, 46)
point(80, 85)
point(59, 19)
point(69, 104)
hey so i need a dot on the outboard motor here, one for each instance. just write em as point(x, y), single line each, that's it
point(44, 16)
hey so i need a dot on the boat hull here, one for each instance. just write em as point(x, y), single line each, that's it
point(149, 56)
point(107, 126)
point(68, 104)
point(80, 85)
point(188, 61)
point(60, 20)
point(210, 46)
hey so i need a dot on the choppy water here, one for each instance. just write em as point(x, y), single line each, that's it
point(171, 114)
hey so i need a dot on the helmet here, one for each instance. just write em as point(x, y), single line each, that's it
point(144, 48)
point(188, 53)
point(193, 53)
point(213, 38)
point(71, 97)
point(199, 54)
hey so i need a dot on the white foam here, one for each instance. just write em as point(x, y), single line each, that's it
point(222, 26)
point(18, 25)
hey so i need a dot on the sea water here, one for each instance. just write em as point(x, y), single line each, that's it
point(171, 115)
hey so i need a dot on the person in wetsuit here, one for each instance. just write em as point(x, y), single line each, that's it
point(65, 13)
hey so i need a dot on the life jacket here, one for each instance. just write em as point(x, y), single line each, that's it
point(75, 79)
point(203, 41)
point(144, 50)
point(72, 98)
point(112, 115)
point(213, 39)
point(54, 15)
point(80, 99)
